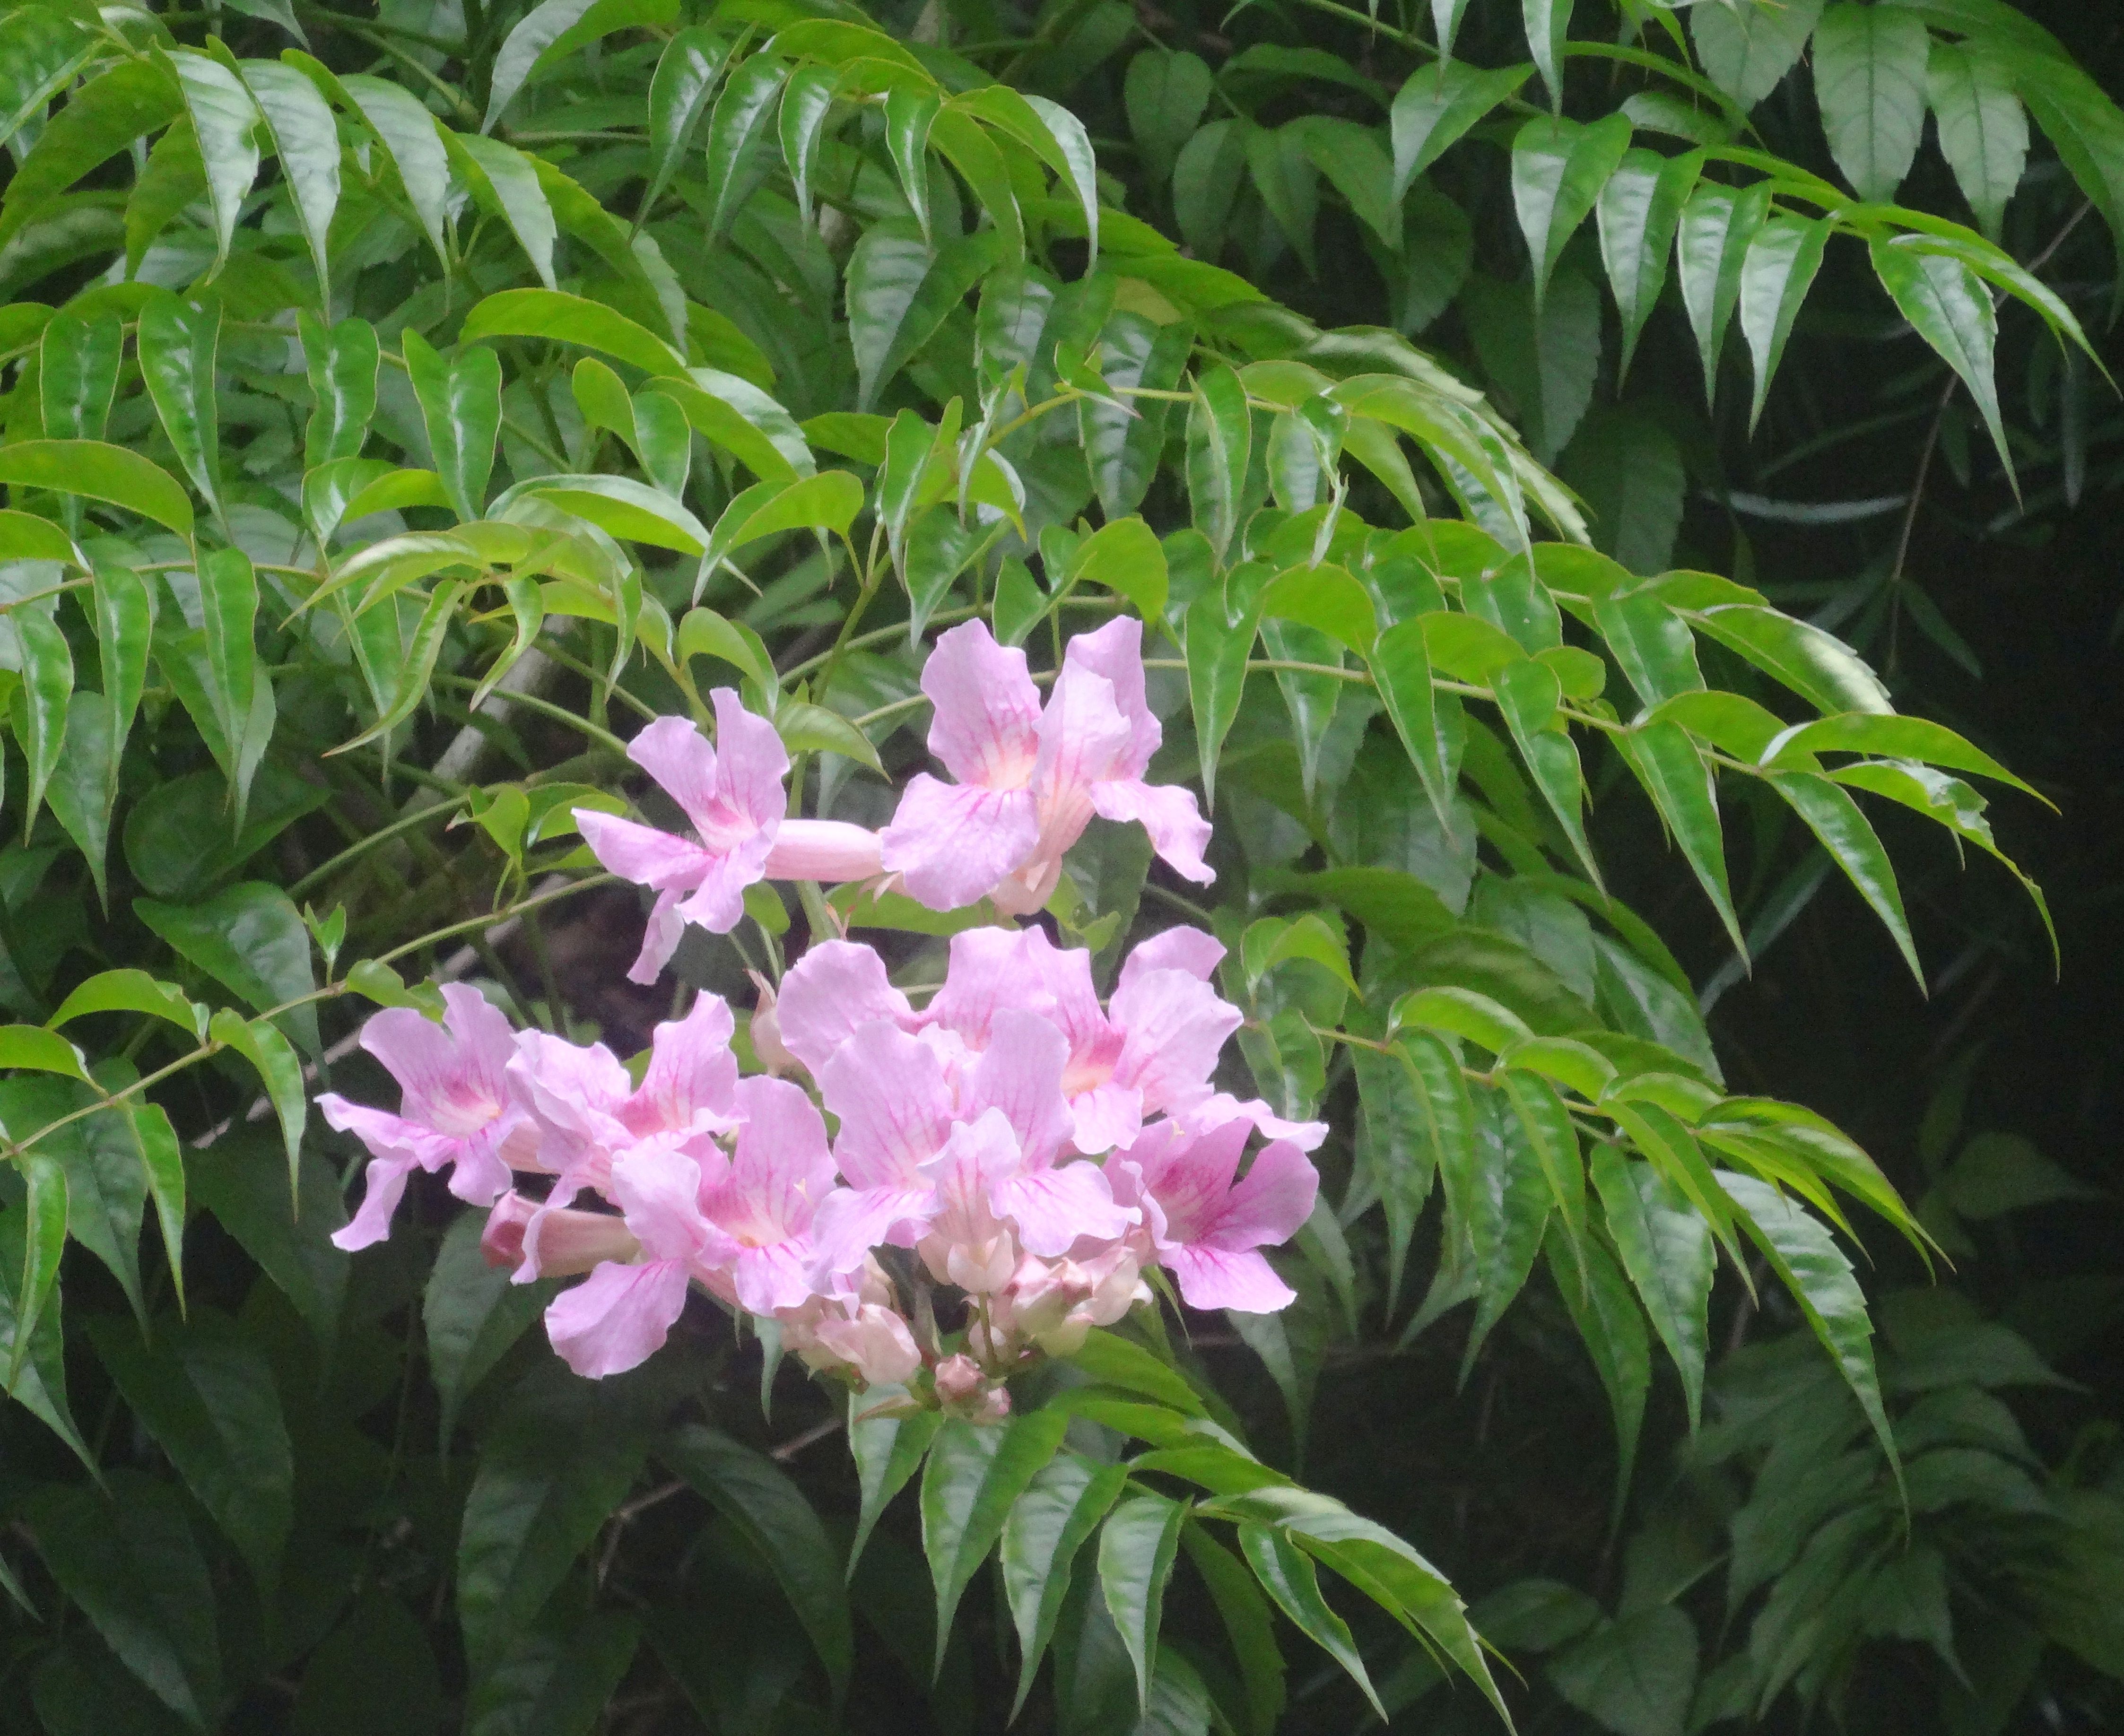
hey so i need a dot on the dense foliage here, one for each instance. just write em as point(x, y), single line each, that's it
point(404, 412)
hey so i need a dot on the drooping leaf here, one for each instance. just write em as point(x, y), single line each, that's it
point(1775, 274)
point(974, 1477)
point(1947, 304)
point(1718, 226)
point(1869, 77)
point(1638, 212)
point(306, 140)
point(1666, 1250)
point(460, 400)
point(1047, 1525)
point(1747, 50)
point(1138, 1546)
point(1559, 169)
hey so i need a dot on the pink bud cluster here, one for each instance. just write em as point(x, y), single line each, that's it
point(929, 1197)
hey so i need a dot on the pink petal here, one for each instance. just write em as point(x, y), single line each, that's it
point(691, 1082)
point(717, 903)
point(678, 756)
point(850, 1221)
point(641, 853)
point(1106, 1116)
point(1177, 949)
point(1083, 740)
point(824, 850)
point(1067, 977)
point(1174, 1027)
point(753, 766)
point(616, 1317)
point(780, 1170)
point(659, 939)
point(895, 1107)
point(1177, 831)
point(385, 1134)
point(1212, 1278)
point(1054, 1207)
point(981, 1154)
point(1020, 1073)
point(1115, 652)
point(658, 1187)
point(383, 1185)
point(990, 969)
point(1189, 1176)
point(952, 845)
point(1271, 1200)
point(835, 988)
point(477, 1175)
point(1217, 1110)
point(451, 1075)
point(777, 1275)
point(985, 727)
point(575, 1092)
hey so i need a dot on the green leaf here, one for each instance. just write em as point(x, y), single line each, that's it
point(1047, 1525)
point(225, 120)
point(306, 140)
point(32, 1048)
point(570, 319)
point(509, 182)
point(679, 91)
point(101, 472)
point(101, 1165)
point(1165, 94)
point(744, 422)
point(1636, 213)
point(1518, 1178)
point(1286, 1573)
point(1138, 1545)
point(129, 1560)
point(888, 1450)
point(1983, 129)
point(1528, 694)
point(910, 110)
point(162, 1160)
point(1273, 941)
point(1635, 1675)
point(1126, 557)
point(1436, 107)
point(899, 291)
point(1222, 625)
point(1850, 840)
point(1396, 1147)
point(1247, 1624)
point(1068, 152)
point(1672, 769)
point(1869, 77)
point(1807, 1259)
point(1817, 666)
point(40, 706)
point(807, 102)
point(461, 405)
point(1775, 275)
point(41, 50)
point(249, 938)
point(1401, 674)
point(33, 1346)
point(1219, 441)
point(1747, 50)
point(105, 114)
point(1547, 29)
point(1288, 185)
point(274, 1059)
point(737, 131)
point(549, 1475)
point(78, 372)
point(530, 37)
point(1559, 169)
point(44, 1240)
point(341, 361)
point(1667, 1251)
point(229, 600)
point(1553, 1138)
point(752, 1494)
point(1376, 1562)
point(242, 1179)
point(974, 1477)
point(1947, 304)
point(1613, 1328)
point(1718, 225)
point(1125, 441)
point(207, 1395)
point(1205, 183)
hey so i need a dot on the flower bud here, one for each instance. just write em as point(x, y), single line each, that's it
point(1041, 1295)
point(766, 1030)
point(501, 1242)
point(994, 1406)
point(876, 1343)
point(978, 1268)
point(959, 1380)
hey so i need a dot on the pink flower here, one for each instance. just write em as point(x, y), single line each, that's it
point(926, 1155)
point(570, 1242)
point(1029, 779)
point(588, 1109)
point(456, 1109)
point(835, 989)
point(759, 1202)
point(732, 795)
point(621, 1313)
point(1204, 1227)
point(865, 1340)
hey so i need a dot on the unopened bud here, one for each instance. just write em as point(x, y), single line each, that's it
point(876, 1343)
point(766, 1031)
point(501, 1242)
point(981, 1267)
point(959, 1379)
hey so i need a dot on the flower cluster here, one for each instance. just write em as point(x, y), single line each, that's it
point(1015, 1149)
